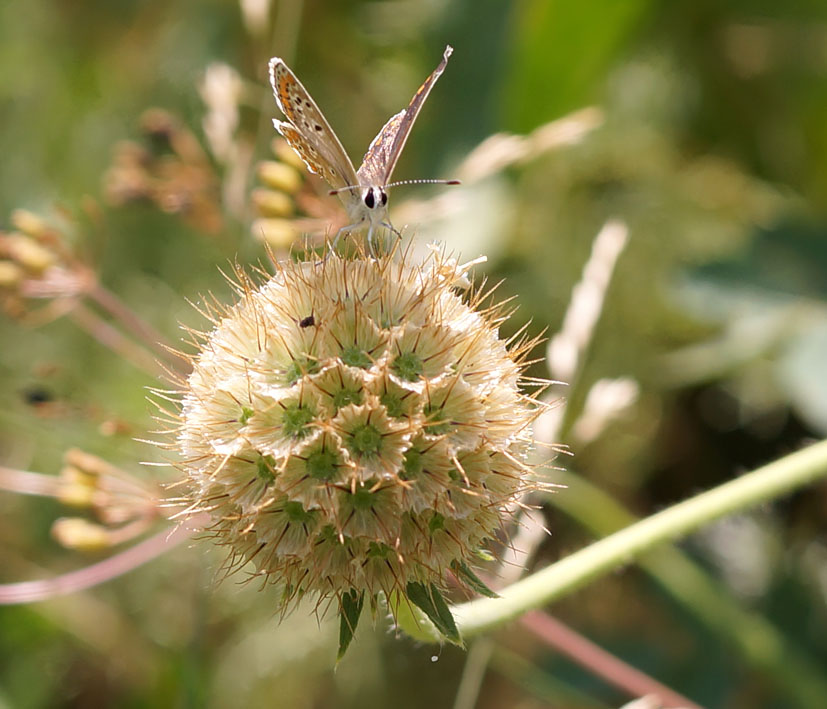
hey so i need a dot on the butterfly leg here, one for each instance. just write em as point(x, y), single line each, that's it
point(336, 238)
point(349, 229)
point(372, 243)
point(393, 229)
point(371, 246)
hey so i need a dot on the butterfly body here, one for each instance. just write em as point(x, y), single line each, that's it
point(363, 191)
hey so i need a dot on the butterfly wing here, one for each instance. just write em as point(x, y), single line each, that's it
point(383, 153)
point(307, 131)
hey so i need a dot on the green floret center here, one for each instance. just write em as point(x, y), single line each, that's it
point(365, 440)
point(408, 366)
point(264, 468)
point(321, 464)
point(343, 397)
point(436, 522)
point(299, 367)
point(362, 499)
point(377, 550)
point(437, 426)
point(393, 404)
point(295, 420)
point(356, 357)
point(328, 534)
point(246, 413)
point(411, 464)
point(296, 513)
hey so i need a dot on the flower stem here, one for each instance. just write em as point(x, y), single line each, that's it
point(112, 338)
point(578, 569)
point(96, 574)
point(133, 323)
point(797, 676)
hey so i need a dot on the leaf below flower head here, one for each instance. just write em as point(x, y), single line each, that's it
point(464, 573)
point(349, 613)
point(431, 602)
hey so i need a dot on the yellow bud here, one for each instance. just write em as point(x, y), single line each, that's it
point(29, 223)
point(283, 151)
point(87, 463)
point(279, 176)
point(77, 487)
point(28, 253)
point(10, 275)
point(278, 233)
point(272, 204)
point(77, 533)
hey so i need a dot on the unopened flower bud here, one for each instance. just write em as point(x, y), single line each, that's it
point(80, 534)
point(29, 223)
point(10, 275)
point(279, 176)
point(277, 233)
point(286, 154)
point(270, 203)
point(33, 257)
point(77, 488)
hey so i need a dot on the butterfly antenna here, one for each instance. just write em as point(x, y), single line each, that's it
point(346, 188)
point(396, 184)
point(422, 182)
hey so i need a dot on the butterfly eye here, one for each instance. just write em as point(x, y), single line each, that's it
point(370, 200)
point(384, 198)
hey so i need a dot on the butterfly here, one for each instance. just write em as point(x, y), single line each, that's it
point(363, 192)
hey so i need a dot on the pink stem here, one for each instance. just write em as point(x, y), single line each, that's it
point(114, 566)
point(601, 663)
point(26, 483)
point(133, 322)
point(113, 339)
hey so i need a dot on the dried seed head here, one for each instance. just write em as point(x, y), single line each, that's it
point(356, 426)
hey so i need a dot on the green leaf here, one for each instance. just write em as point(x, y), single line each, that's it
point(411, 620)
point(431, 602)
point(467, 576)
point(561, 53)
point(349, 612)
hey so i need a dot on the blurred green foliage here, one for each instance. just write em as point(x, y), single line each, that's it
point(713, 150)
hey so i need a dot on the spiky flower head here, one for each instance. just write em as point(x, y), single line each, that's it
point(357, 427)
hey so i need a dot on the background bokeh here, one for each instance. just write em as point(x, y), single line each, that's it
point(712, 149)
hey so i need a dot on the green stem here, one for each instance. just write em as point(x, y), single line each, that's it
point(578, 569)
point(759, 642)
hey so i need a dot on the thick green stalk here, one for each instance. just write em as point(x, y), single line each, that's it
point(760, 643)
point(578, 569)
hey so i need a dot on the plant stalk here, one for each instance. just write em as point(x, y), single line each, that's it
point(575, 571)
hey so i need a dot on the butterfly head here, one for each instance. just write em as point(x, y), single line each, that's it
point(375, 198)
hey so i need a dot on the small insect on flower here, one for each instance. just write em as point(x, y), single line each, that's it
point(363, 192)
point(365, 456)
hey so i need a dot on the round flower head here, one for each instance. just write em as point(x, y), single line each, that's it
point(355, 427)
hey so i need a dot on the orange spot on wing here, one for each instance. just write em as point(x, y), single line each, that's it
point(285, 83)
